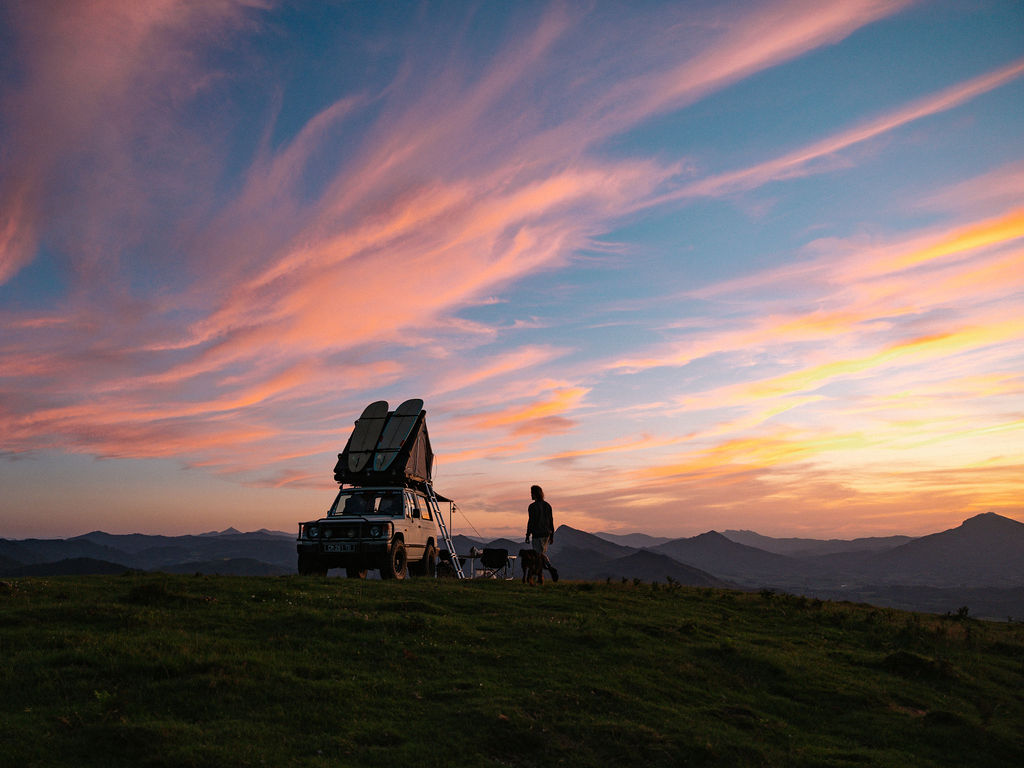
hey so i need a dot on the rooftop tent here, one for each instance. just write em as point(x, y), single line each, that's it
point(395, 450)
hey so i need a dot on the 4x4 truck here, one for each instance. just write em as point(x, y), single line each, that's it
point(386, 515)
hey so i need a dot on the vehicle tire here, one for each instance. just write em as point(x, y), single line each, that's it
point(428, 565)
point(397, 566)
point(355, 573)
point(309, 565)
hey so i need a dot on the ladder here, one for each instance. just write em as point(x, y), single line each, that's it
point(435, 510)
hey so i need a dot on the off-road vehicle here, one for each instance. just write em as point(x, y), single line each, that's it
point(390, 529)
point(386, 515)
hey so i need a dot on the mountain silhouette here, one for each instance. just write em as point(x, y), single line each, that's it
point(985, 550)
point(566, 537)
point(716, 554)
point(797, 547)
point(638, 540)
point(650, 566)
point(980, 562)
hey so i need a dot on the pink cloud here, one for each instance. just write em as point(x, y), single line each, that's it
point(1000, 188)
point(281, 296)
point(92, 69)
point(552, 406)
point(809, 159)
point(764, 37)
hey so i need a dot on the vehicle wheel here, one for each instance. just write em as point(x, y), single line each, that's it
point(355, 573)
point(429, 563)
point(397, 566)
point(309, 565)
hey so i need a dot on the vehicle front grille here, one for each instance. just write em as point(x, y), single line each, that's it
point(346, 531)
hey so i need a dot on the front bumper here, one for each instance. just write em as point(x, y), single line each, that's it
point(361, 555)
point(332, 548)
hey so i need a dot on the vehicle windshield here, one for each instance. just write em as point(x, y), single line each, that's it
point(366, 502)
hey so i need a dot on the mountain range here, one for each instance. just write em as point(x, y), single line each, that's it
point(979, 563)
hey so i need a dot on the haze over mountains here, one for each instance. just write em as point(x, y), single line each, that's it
point(979, 564)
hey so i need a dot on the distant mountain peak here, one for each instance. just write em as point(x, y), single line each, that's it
point(989, 520)
point(712, 536)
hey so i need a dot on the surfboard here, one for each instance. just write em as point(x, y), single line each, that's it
point(396, 432)
point(366, 434)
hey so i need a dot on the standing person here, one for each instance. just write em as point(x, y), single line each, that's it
point(541, 526)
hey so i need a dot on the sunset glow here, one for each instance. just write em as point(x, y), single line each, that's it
point(688, 266)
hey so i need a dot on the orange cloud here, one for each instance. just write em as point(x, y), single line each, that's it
point(997, 231)
point(642, 443)
point(559, 402)
point(870, 293)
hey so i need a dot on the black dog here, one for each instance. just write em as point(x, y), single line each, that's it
point(532, 563)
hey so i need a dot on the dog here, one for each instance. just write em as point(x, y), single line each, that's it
point(532, 563)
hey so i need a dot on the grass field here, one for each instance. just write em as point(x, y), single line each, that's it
point(152, 670)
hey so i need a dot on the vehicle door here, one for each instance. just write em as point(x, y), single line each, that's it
point(426, 519)
point(418, 531)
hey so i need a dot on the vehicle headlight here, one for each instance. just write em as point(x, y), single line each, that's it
point(375, 531)
point(313, 531)
point(351, 533)
point(328, 532)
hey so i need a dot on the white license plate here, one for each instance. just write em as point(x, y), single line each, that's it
point(333, 547)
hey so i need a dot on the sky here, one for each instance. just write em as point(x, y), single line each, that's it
point(688, 266)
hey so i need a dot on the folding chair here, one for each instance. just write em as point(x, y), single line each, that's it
point(495, 564)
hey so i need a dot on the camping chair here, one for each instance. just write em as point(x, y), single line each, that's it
point(495, 564)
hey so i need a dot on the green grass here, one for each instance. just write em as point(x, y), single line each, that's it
point(153, 670)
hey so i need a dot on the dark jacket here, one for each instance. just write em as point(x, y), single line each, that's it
point(541, 522)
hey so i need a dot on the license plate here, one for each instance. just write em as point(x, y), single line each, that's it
point(334, 547)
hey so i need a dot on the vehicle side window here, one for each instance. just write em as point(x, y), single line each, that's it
point(414, 504)
point(390, 504)
point(426, 508)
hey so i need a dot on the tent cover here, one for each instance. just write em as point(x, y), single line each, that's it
point(408, 463)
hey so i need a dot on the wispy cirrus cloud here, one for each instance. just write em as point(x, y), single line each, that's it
point(866, 288)
point(867, 374)
point(79, 128)
point(446, 201)
point(815, 157)
point(229, 286)
point(1000, 188)
point(541, 416)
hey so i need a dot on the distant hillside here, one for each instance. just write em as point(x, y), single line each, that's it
point(464, 543)
point(994, 603)
point(566, 537)
point(986, 550)
point(579, 563)
point(75, 566)
point(811, 547)
point(723, 557)
point(7, 563)
point(650, 566)
point(929, 573)
point(29, 551)
point(258, 553)
point(637, 540)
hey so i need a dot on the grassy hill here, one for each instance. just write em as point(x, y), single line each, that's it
point(155, 670)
